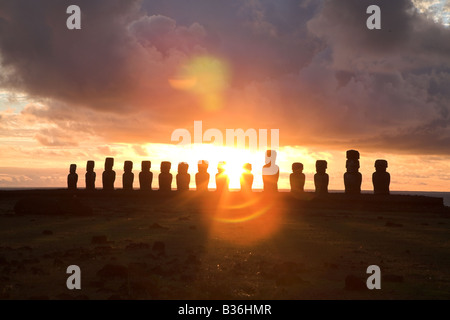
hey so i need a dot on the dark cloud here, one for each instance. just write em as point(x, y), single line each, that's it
point(309, 68)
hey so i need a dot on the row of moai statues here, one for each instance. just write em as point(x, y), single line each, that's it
point(352, 178)
point(381, 179)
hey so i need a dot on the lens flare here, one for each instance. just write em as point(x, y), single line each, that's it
point(206, 77)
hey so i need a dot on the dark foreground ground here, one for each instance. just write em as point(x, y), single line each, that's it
point(134, 246)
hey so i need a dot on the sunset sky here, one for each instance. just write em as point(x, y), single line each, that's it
point(138, 70)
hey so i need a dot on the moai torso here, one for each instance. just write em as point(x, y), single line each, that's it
point(165, 177)
point(352, 178)
point(271, 172)
point(145, 176)
point(380, 178)
point(90, 175)
point(128, 176)
point(321, 178)
point(72, 178)
point(183, 177)
point(109, 176)
point(297, 178)
point(222, 180)
point(247, 178)
point(202, 176)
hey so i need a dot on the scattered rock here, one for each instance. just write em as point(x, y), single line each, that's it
point(159, 248)
point(58, 263)
point(113, 271)
point(158, 226)
point(392, 278)
point(138, 246)
point(3, 261)
point(99, 239)
point(115, 297)
point(393, 224)
point(47, 232)
point(353, 283)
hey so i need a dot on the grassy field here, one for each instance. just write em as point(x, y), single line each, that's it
point(268, 249)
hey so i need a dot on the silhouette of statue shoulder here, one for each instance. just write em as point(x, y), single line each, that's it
point(352, 178)
point(165, 177)
point(90, 175)
point(72, 178)
point(222, 180)
point(183, 177)
point(321, 178)
point(271, 172)
point(380, 178)
point(145, 176)
point(202, 176)
point(247, 178)
point(297, 178)
point(109, 176)
point(128, 176)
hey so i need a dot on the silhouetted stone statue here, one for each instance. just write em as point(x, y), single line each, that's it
point(380, 178)
point(165, 177)
point(90, 175)
point(109, 175)
point(352, 178)
point(222, 180)
point(297, 178)
point(128, 176)
point(202, 176)
point(271, 172)
point(321, 178)
point(72, 178)
point(145, 176)
point(247, 178)
point(183, 177)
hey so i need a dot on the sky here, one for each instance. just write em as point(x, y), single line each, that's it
point(138, 70)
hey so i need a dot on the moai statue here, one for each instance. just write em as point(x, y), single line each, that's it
point(380, 178)
point(202, 176)
point(90, 175)
point(72, 178)
point(145, 176)
point(321, 178)
point(183, 177)
point(165, 177)
point(271, 172)
point(222, 180)
point(352, 178)
point(128, 176)
point(297, 178)
point(109, 175)
point(247, 178)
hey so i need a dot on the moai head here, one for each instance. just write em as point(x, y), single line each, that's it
point(381, 165)
point(271, 156)
point(203, 166)
point(183, 167)
point(221, 166)
point(109, 163)
point(146, 165)
point(248, 167)
point(165, 167)
point(352, 165)
point(90, 166)
point(352, 155)
point(297, 167)
point(128, 166)
point(321, 166)
point(73, 168)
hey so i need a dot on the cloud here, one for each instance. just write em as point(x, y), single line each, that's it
point(309, 68)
